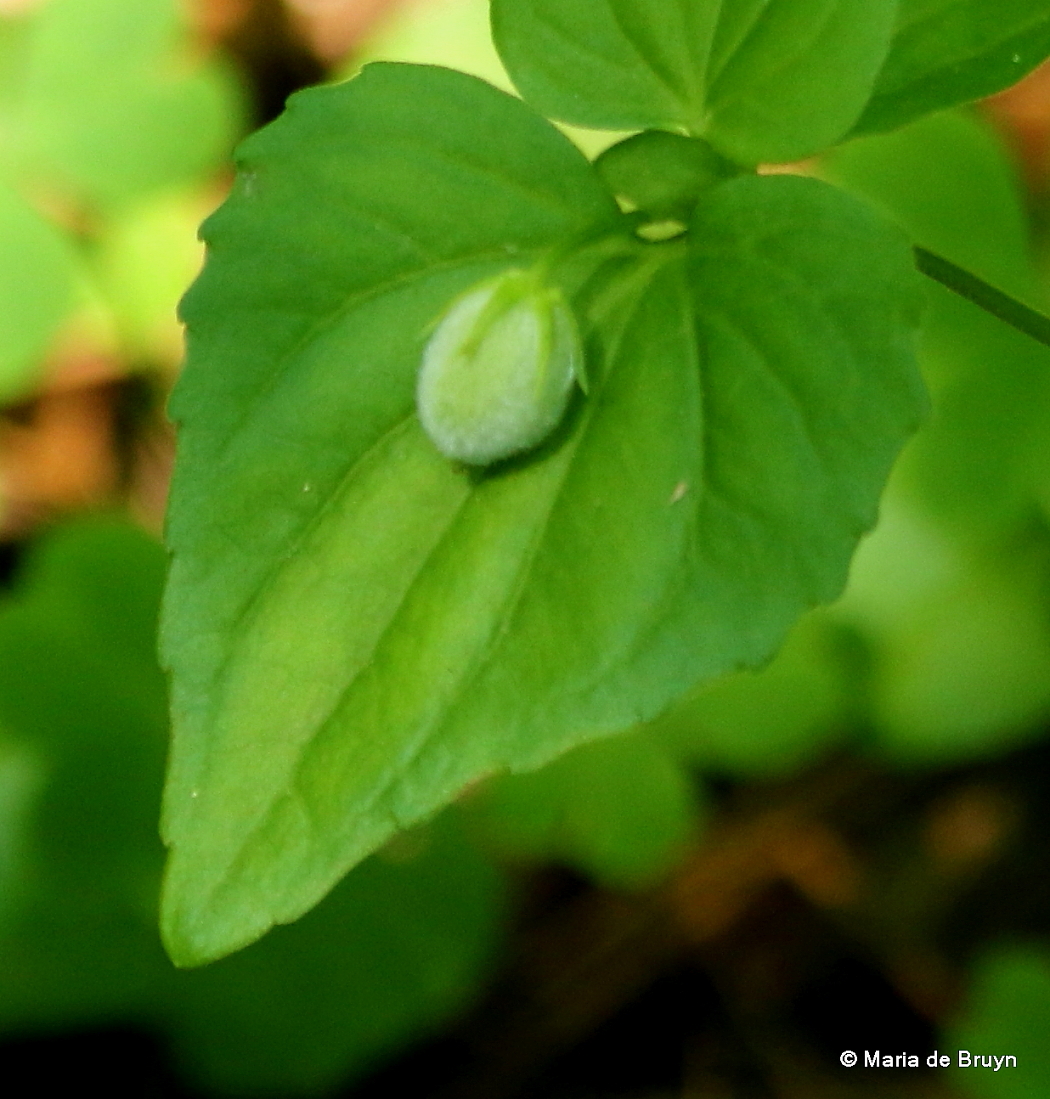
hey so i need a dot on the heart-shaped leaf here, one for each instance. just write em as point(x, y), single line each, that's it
point(359, 627)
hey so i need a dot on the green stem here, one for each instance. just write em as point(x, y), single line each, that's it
point(969, 286)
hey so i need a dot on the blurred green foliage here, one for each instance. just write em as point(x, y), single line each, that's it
point(398, 945)
point(621, 810)
point(1007, 1014)
point(38, 271)
point(105, 100)
point(938, 653)
point(105, 106)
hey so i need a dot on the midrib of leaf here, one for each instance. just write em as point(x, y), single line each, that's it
point(286, 362)
point(685, 96)
point(698, 51)
point(788, 62)
point(692, 534)
point(819, 303)
point(798, 406)
point(378, 799)
point(634, 291)
point(616, 63)
point(741, 506)
point(749, 340)
point(245, 854)
point(241, 619)
point(716, 67)
point(785, 274)
point(708, 488)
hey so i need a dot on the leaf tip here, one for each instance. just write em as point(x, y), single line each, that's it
point(195, 928)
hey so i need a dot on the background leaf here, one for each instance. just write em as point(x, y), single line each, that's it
point(773, 720)
point(144, 261)
point(104, 99)
point(760, 81)
point(953, 187)
point(21, 773)
point(621, 810)
point(458, 35)
point(38, 274)
point(82, 697)
point(949, 592)
point(947, 52)
point(1007, 1012)
point(397, 946)
point(960, 646)
point(453, 33)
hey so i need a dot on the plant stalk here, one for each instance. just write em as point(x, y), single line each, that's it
point(982, 294)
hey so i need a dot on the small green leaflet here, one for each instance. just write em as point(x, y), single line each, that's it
point(947, 52)
point(761, 80)
point(662, 174)
point(359, 628)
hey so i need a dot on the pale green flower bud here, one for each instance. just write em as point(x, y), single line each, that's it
point(498, 371)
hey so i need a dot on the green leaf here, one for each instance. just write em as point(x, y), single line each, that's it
point(947, 52)
point(662, 174)
point(38, 272)
point(951, 183)
point(21, 774)
point(1007, 1012)
point(358, 628)
point(622, 810)
point(109, 104)
point(761, 80)
point(375, 210)
point(83, 699)
point(13, 30)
